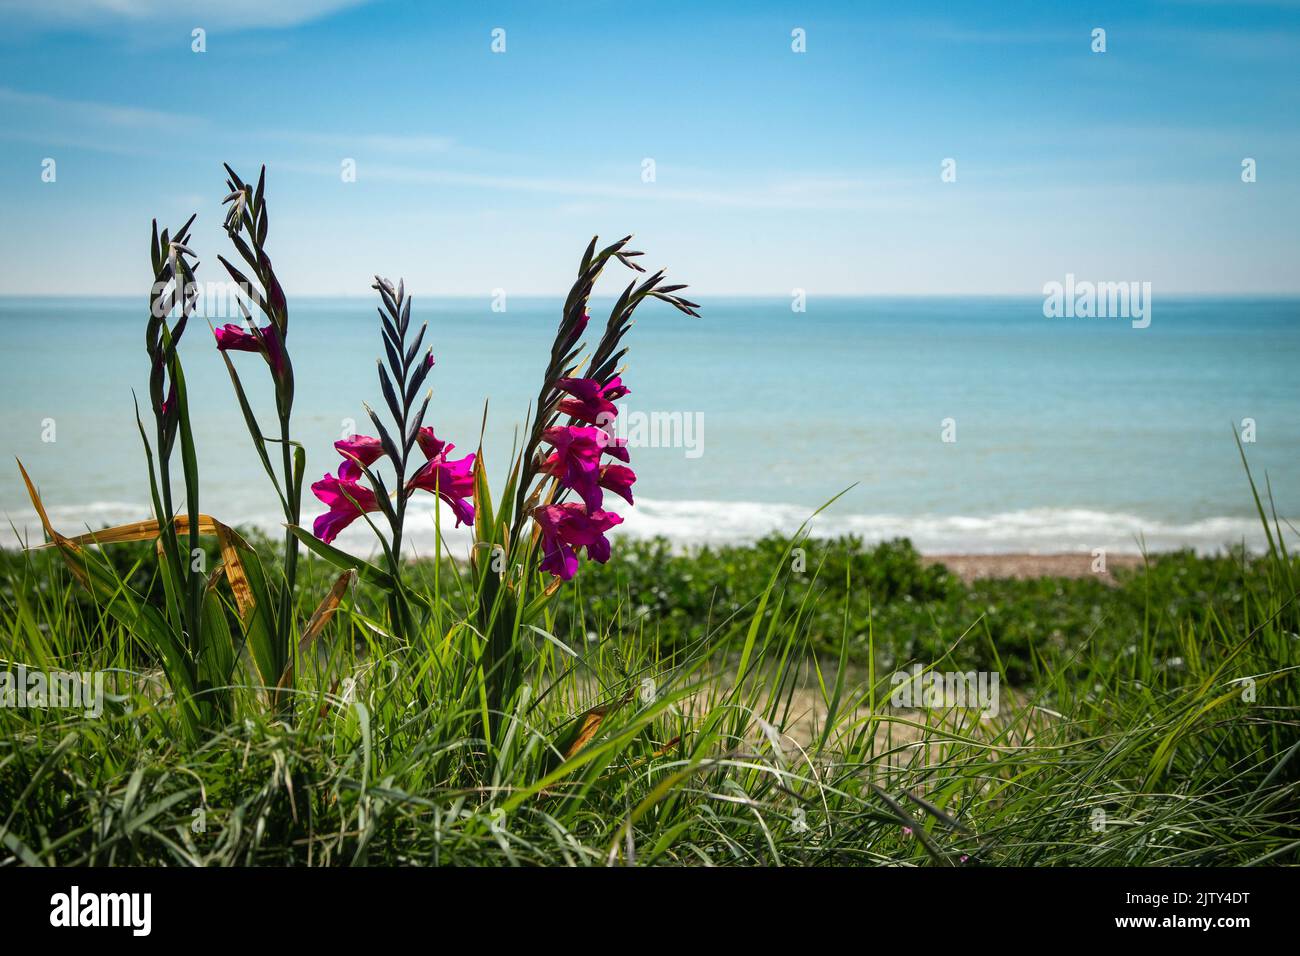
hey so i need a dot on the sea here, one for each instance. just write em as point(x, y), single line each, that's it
point(966, 424)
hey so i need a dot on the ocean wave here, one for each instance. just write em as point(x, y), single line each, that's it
point(689, 523)
point(1034, 530)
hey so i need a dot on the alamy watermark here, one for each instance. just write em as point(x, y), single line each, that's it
point(208, 299)
point(75, 908)
point(1099, 300)
point(657, 429)
point(65, 690)
point(920, 688)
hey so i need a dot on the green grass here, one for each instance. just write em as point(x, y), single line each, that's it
point(1127, 734)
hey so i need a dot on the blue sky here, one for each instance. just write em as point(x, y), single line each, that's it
point(774, 170)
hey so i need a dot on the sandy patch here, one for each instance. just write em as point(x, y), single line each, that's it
point(974, 567)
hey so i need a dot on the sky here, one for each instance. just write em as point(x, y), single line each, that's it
point(773, 170)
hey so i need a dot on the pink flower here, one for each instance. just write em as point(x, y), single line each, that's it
point(567, 527)
point(576, 459)
point(364, 449)
point(614, 447)
point(578, 328)
point(591, 402)
point(452, 481)
point(369, 450)
point(618, 479)
point(235, 338)
point(431, 445)
point(346, 500)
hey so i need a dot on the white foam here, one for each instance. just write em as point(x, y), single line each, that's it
point(687, 523)
point(1034, 530)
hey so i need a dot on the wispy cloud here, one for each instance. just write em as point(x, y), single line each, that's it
point(800, 193)
point(229, 14)
point(109, 127)
point(383, 143)
point(69, 111)
point(954, 33)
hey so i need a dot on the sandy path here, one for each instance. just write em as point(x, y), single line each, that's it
point(973, 567)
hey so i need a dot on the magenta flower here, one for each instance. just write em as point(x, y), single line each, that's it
point(615, 447)
point(369, 450)
point(346, 500)
point(431, 445)
point(618, 479)
point(234, 338)
point(364, 449)
point(576, 459)
point(567, 527)
point(591, 402)
point(452, 481)
point(578, 328)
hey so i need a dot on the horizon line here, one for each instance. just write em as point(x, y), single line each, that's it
point(1286, 294)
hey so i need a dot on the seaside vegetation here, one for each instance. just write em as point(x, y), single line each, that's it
point(558, 698)
point(1129, 732)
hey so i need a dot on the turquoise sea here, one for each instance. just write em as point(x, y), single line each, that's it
point(1071, 434)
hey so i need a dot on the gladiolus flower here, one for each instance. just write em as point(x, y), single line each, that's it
point(578, 328)
point(234, 338)
point(369, 450)
point(431, 445)
point(346, 500)
point(576, 459)
point(363, 448)
point(452, 481)
point(614, 447)
point(591, 401)
point(567, 527)
point(618, 479)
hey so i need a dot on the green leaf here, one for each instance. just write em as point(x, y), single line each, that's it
point(250, 421)
point(341, 559)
